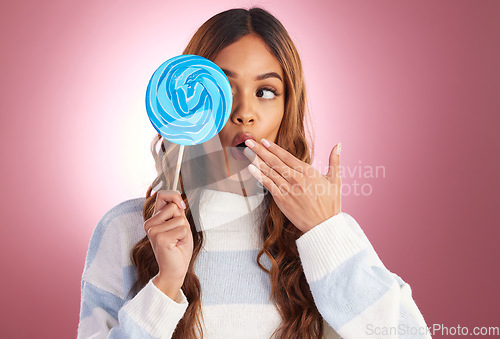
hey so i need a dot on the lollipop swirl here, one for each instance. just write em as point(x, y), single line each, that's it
point(188, 99)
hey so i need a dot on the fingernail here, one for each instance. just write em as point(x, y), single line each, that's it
point(183, 204)
point(249, 143)
point(249, 153)
point(339, 148)
point(265, 143)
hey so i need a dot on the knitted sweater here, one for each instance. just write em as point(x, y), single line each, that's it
point(354, 292)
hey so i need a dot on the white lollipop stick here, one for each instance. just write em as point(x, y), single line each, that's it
point(178, 168)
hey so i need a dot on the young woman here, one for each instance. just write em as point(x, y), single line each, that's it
point(225, 258)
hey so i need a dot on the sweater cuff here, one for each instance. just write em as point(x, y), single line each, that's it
point(327, 245)
point(154, 312)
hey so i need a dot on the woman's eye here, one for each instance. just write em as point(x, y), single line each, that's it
point(266, 93)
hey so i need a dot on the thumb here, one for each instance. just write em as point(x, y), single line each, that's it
point(334, 162)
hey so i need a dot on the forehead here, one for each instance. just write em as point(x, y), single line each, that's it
point(248, 57)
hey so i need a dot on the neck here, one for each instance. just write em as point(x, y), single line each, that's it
point(238, 185)
point(213, 167)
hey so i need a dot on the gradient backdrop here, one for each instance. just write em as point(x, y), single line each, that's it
point(409, 86)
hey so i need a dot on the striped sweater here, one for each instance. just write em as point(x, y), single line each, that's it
point(354, 292)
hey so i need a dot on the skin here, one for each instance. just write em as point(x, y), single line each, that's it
point(258, 106)
point(304, 195)
point(256, 109)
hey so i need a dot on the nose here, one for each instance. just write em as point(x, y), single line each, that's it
point(243, 113)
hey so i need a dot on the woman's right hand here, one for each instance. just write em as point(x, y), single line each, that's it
point(170, 235)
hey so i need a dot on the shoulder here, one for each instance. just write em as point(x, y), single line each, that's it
point(122, 218)
point(113, 237)
point(128, 209)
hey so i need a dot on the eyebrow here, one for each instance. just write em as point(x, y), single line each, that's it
point(258, 77)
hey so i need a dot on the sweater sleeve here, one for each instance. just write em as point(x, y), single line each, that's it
point(106, 309)
point(150, 314)
point(354, 292)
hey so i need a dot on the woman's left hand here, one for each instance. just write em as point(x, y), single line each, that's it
point(305, 196)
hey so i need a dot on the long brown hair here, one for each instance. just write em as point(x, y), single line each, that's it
point(290, 290)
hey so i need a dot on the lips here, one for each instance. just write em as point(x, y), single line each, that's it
point(240, 139)
point(238, 145)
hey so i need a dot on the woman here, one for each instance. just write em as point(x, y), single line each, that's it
point(224, 259)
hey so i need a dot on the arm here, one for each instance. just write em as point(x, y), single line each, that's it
point(354, 292)
point(150, 314)
point(106, 310)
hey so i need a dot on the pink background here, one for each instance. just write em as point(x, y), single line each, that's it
point(408, 85)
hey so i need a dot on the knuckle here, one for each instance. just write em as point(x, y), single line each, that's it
point(177, 220)
point(279, 168)
point(258, 163)
point(168, 193)
point(271, 161)
point(294, 180)
point(283, 188)
point(271, 173)
point(172, 210)
point(162, 193)
point(151, 233)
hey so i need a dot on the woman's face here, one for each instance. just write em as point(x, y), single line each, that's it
point(258, 87)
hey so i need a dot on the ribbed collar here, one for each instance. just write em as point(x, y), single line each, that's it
point(231, 203)
point(221, 209)
point(219, 201)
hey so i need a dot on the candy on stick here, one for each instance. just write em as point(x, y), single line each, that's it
point(188, 101)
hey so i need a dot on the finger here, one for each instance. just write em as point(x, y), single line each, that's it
point(169, 239)
point(278, 180)
point(286, 157)
point(264, 180)
point(265, 168)
point(163, 197)
point(256, 150)
point(167, 212)
point(334, 163)
point(154, 230)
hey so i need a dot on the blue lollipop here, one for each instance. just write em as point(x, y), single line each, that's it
point(188, 101)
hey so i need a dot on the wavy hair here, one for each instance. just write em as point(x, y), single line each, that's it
point(290, 290)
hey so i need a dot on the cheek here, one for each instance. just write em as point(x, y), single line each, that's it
point(224, 134)
point(274, 122)
point(277, 121)
point(278, 114)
